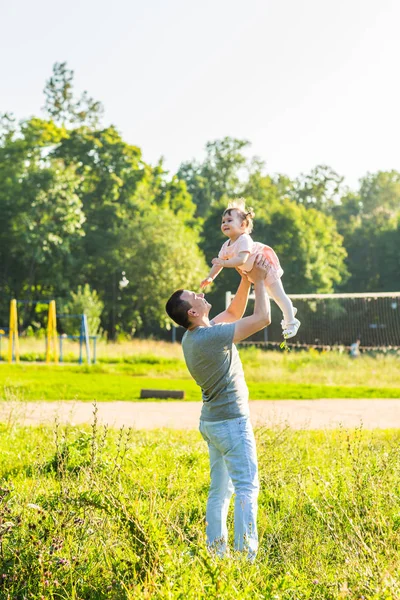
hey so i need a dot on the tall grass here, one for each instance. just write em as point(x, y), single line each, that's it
point(35, 349)
point(124, 369)
point(302, 367)
point(154, 358)
point(327, 368)
point(90, 513)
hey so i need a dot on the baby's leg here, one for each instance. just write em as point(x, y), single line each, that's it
point(277, 293)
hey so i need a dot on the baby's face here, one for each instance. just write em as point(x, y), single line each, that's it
point(232, 225)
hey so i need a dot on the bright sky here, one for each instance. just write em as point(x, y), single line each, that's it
point(306, 81)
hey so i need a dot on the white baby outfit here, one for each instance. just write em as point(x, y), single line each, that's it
point(273, 284)
point(245, 243)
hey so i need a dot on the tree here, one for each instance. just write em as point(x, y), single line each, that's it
point(41, 213)
point(369, 222)
point(72, 197)
point(162, 256)
point(171, 194)
point(380, 190)
point(218, 175)
point(62, 106)
point(117, 190)
point(262, 192)
point(83, 301)
point(320, 189)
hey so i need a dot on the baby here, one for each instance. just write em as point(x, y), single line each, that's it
point(240, 251)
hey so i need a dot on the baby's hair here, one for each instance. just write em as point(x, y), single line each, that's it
point(245, 213)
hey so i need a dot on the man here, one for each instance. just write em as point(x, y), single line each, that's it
point(214, 363)
point(355, 349)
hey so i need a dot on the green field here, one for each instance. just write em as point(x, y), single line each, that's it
point(91, 514)
point(124, 369)
point(34, 382)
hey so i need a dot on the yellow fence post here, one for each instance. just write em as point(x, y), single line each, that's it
point(53, 304)
point(48, 338)
point(13, 333)
point(52, 333)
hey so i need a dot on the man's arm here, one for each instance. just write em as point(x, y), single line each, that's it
point(261, 316)
point(235, 310)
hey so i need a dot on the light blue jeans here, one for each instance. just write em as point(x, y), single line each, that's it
point(233, 468)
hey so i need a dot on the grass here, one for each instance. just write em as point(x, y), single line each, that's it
point(87, 513)
point(102, 383)
point(127, 368)
point(34, 349)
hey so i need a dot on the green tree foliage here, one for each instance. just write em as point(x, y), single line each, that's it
point(61, 104)
point(71, 198)
point(117, 189)
point(42, 214)
point(80, 206)
point(369, 222)
point(320, 189)
point(263, 192)
point(172, 194)
point(83, 301)
point(218, 175)
point(162, 255)
point(380, 190)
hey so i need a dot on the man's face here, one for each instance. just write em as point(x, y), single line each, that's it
point(199, 304)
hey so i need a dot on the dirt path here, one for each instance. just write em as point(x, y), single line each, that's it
point(299, 414)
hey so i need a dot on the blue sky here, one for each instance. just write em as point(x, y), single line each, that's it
point(306, 82)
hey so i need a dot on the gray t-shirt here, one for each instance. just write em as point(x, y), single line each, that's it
point(213, 362)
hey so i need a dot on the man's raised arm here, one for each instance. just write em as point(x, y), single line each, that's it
point(237, 307)
point(261, 316)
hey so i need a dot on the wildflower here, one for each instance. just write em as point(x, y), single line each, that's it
point(57, 544)
point(283, 346)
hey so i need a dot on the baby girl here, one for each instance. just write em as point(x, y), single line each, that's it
point(240, 251)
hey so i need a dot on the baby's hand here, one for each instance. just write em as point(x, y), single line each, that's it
point(217, 262)
point(206, 282)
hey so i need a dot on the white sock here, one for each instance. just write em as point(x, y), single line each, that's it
point(277, 293)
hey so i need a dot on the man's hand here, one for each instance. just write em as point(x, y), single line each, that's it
point(206, 282)
point(218, 262)
point(261, 316)
point(260, 269)
point(243, 274)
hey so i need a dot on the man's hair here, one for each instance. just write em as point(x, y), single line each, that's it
point(177, 309)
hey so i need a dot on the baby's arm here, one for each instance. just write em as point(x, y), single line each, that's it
point(232, 263)
point(211, 276)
